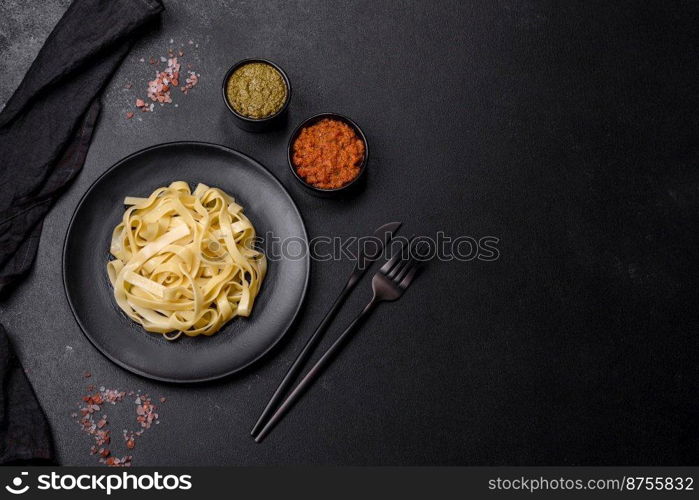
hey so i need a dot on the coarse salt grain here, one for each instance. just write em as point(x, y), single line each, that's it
point(145, 416)
point(159, 90)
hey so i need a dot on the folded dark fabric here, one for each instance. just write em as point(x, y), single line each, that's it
point(46, 126)
point(45, 131)
point(23, 427)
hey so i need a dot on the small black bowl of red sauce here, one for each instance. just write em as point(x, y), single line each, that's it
point(328, 154)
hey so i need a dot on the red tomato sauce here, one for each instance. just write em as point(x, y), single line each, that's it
point(328, 154)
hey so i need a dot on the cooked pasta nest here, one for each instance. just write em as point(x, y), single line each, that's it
point(184, 262)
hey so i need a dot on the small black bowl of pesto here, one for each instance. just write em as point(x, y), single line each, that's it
point(257, 92)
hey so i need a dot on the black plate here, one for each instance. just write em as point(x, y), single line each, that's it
point(86, 251)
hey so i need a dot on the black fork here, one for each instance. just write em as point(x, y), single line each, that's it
point(388, 284)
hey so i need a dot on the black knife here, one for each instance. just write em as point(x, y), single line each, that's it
point(382, 237)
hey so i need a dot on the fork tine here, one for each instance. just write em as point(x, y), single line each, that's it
point(388, 266)
point(398, 268)
point(408, 278)
point(409, 264)
point(391, 263)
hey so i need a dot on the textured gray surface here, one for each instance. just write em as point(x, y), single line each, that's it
point(23, 29)
point(565, 131)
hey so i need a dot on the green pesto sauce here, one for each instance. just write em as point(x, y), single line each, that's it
point(256, 90)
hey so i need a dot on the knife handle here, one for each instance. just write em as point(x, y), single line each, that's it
point(305, 353)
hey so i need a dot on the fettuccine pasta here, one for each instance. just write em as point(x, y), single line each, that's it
point(184, 261)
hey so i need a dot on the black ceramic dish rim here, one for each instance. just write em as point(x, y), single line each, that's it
point(244, 118)
point(310, 121)
point(137, 371)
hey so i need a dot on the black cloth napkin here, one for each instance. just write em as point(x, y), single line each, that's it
point(46, 126)
point(45, 132)
point(25, 432)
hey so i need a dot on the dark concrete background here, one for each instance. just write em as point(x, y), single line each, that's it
point(567, 130)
